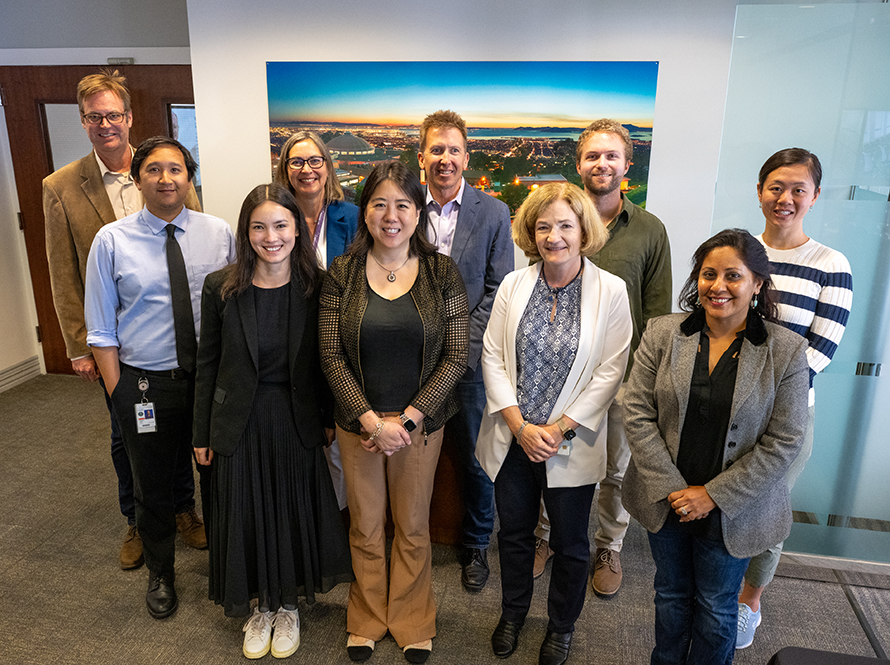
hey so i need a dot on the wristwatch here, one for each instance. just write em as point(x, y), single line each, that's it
point(567, 432)
point(408, 424)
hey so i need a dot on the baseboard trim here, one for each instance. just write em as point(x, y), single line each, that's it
point(837, 563)
point(19, 373)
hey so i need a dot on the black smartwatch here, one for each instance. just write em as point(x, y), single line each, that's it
point(567, 432)
point(408, 424)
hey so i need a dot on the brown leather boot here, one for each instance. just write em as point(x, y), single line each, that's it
point(542, 556)
point(191, 528)
point(131, 551)
point(606, 578)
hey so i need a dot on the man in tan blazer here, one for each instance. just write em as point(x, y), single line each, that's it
point(78, 200)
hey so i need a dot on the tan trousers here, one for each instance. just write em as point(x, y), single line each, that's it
point(405, 605)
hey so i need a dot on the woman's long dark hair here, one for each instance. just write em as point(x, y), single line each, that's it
point(754, 257)
point(409, 183)
point(303, 262)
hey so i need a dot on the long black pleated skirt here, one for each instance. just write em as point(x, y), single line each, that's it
point(276, 532)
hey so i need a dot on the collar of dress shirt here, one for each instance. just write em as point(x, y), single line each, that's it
point(158, 225)
point(105, 170)
point(457, 199)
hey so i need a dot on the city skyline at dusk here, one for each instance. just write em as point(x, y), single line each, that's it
point(486, 94)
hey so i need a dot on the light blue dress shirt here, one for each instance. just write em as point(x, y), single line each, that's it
point(443, 220)
point(127, 300)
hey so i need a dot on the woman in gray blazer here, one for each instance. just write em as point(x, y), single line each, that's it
point(716, 411)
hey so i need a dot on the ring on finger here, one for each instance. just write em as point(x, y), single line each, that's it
point(683, 511)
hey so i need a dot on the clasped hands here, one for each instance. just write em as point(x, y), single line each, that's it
point(540, 442)
point(392, 438)
point(692, 503)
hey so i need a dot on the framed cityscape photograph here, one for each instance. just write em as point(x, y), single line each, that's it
point(523, 118)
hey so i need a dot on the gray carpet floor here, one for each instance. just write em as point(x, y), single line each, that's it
point(63, 598)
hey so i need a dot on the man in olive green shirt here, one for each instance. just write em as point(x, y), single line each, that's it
point(638, 252)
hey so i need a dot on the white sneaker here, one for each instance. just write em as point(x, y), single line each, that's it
point(286, 638)
point(257, 634)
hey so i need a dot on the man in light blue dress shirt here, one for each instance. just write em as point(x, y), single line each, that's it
point(130, 328)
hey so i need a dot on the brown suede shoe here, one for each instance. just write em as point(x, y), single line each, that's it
point(542, 556)
point(606, 578)
point(191, 528)
point(131, 551)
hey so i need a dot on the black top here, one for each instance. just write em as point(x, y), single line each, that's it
point(391, 351)
point(272, 315)
point(700, 457)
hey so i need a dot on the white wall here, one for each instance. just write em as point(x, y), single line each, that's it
point(17, 312)
point(231, 42)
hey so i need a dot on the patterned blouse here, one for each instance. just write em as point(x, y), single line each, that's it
point(545, 349)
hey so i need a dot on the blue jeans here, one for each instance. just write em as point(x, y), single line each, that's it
point(478, 490)
point(696, 599)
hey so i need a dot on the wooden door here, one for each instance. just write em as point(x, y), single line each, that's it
point(153, 88)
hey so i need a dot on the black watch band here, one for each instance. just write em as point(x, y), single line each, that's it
point(407, 423)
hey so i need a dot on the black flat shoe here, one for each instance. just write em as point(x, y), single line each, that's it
point(505, 638)
point(161, 596)
point(359, 652)
point(475, 572)
point(555, 648)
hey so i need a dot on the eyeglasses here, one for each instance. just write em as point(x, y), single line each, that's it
point(315, 162)
point(97, 118)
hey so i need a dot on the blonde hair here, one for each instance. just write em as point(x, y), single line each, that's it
point(593, 232)
point(441, 119)
point(608, 126)
point(106, 80)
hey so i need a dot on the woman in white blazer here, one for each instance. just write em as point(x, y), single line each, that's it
point(554, 355)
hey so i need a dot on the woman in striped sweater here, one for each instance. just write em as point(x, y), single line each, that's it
point(815, 293)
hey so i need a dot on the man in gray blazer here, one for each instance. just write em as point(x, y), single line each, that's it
point(473, 228)
point(78, 200)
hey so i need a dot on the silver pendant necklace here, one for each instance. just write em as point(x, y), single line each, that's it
point(391, 277)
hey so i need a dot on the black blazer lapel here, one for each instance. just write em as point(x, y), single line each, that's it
point(296, 323)
point(247, 314)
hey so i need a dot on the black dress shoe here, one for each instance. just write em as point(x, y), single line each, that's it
point(161, 597)
point(505, 637)
point(475, 572)
point(555, 648)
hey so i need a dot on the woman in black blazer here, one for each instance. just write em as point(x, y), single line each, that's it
point(262, 415)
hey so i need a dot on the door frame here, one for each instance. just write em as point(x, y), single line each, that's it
point(26, 89)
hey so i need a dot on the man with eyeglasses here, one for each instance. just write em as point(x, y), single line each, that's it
point(78, 200)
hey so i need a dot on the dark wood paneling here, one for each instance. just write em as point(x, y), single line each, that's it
point(26, 89)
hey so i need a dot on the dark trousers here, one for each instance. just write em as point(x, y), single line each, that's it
point(155, 457)
point(183, 478)
point(477, 488)
point(518, 490)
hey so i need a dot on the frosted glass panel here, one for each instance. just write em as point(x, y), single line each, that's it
point(67, 138)
point(816, 77)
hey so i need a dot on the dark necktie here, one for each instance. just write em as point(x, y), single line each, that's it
point(183, 316)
